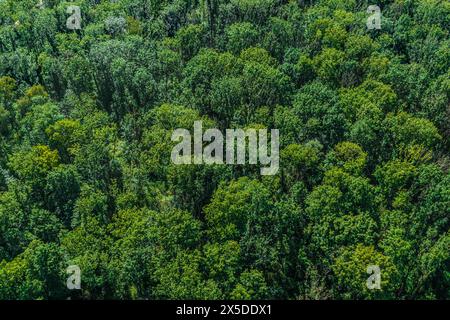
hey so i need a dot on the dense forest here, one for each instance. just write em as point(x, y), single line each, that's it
point(89, 99)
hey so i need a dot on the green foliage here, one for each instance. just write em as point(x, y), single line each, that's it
point(86, 178)
point(350, 269)
point(37, 273)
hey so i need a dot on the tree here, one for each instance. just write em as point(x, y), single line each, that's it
point(350, 270)
point(87, 178)
point(37, 273)
point(241, 36)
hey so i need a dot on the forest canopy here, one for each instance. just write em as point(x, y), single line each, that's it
point(88, 103)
